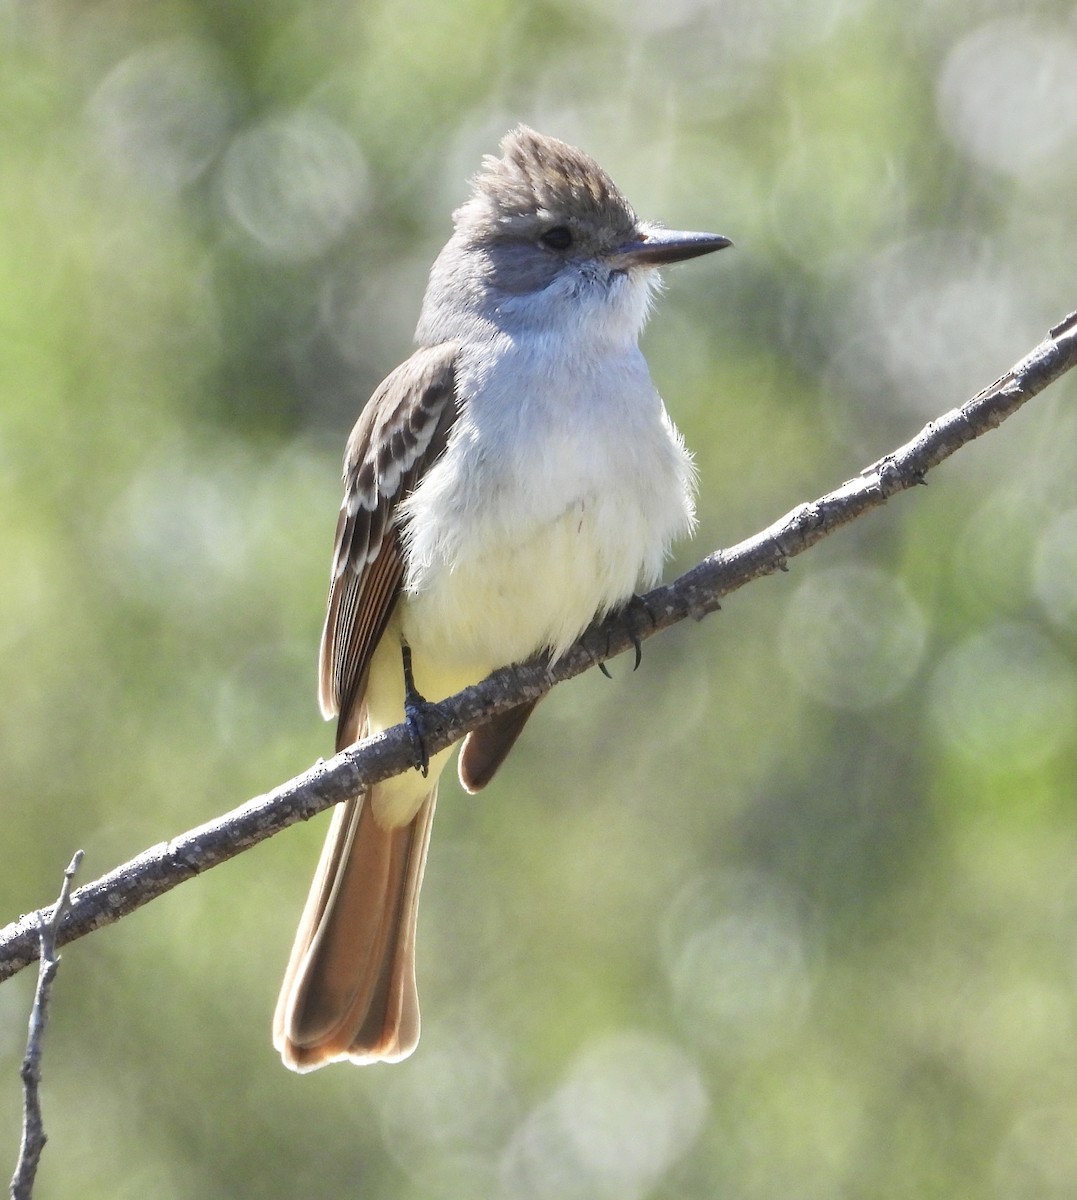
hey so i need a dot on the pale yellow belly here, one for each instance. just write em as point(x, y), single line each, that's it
point(505, 601)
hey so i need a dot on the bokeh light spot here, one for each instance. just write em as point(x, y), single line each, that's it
point(1038, 1157)
point(629, 1108)
point(1007, 95)
point(163, 113)
point(936, 307)
point(293, 185)
point(1004, 698)
point(1054, 571)
point(853, 637)
point(455, 1100)
point(737, 960)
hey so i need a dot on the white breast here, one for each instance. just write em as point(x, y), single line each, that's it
point(557, 498)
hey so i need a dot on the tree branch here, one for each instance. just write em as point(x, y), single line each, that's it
point(694, 594)
point(33, 1126)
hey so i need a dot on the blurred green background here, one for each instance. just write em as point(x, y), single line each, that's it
point(792, 911)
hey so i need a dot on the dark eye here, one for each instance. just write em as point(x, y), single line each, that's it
point(557, 238)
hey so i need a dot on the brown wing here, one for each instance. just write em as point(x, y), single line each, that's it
point(399, 435)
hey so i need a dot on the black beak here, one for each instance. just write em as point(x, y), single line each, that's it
point(654, 247)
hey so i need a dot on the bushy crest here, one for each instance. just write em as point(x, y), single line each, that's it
point(539, 177)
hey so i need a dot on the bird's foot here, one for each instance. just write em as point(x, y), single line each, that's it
point(635, 615)
point(419, 716)
point(631, 618)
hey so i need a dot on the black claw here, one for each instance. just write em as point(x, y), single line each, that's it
point(629, 617)
point(637, 645)
point(416, 715)
point(605, 670)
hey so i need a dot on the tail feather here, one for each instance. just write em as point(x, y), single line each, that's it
point(485, 748)
point(349, 990)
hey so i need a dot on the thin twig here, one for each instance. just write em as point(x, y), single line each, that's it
point(694, 594)
point(33, 1127)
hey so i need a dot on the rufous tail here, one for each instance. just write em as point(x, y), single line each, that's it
point(349, 990)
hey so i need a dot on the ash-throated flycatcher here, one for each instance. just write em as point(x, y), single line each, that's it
point(516, 478)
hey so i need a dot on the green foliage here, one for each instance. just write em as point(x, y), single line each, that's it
point(792, 910)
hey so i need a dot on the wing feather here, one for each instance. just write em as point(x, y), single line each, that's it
point(399, 435)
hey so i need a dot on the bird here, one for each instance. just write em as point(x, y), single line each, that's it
point(515, 479)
